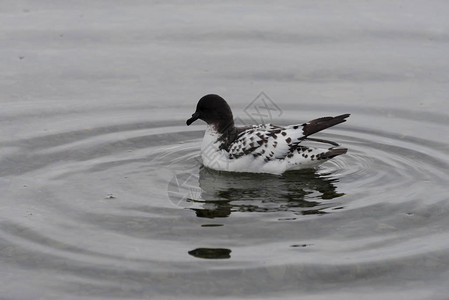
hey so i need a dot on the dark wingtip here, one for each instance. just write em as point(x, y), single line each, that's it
point(343, 117)
point(319, 124)
point(340, 119)
point(335, 152)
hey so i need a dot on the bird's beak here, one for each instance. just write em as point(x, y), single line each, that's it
point(194, 117)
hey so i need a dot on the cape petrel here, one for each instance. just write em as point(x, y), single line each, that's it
point(264, 148)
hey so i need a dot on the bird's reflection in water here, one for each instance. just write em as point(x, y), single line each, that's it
point(302, 192)
point(211, 253)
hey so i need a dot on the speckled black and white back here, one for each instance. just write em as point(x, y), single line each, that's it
point(264, 148)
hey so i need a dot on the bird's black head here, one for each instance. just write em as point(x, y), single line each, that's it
point(213, 110)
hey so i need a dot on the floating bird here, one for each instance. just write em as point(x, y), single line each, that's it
point(264, 148)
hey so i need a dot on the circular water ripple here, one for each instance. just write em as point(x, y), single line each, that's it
point(132, 202)
point(394, 167)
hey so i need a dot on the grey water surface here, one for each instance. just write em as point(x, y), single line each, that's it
point(103, 195)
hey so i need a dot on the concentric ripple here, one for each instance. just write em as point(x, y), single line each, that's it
point(86, 209)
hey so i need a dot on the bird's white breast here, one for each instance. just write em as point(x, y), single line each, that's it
point(211, 154)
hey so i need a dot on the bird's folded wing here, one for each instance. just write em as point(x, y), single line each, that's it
point(268, 141)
